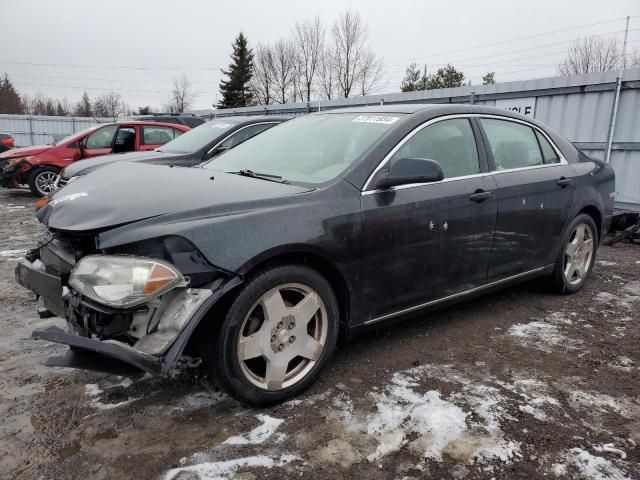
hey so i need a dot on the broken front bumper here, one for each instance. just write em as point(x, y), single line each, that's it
point(155, 352)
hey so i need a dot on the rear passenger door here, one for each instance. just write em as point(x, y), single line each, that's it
point(155, 136)
point(535, 193)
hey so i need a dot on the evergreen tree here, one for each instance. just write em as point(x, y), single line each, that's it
point(236, 91)
point(51, 109)
point(83, 108)
point(60, 111)
point(411, 78)
point(10, 101)
point(489, 78)
point(446, 77)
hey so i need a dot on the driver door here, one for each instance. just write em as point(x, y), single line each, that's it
point(100, 142)
point(424, 242)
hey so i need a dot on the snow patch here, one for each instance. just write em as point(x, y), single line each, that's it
point(622, 406)
point(605, 263)
point(441, 426)
point(258, 434)
point(13, 254)
point(221, 470)
point(589, 466)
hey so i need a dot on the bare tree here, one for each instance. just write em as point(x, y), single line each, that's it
point(182, 95)
point(327, 72)
point(263, 82)
point(284, 69)
point(309, 36)
point(352, 52)
point(110, 105)
point(592, 54)
point(370, 73)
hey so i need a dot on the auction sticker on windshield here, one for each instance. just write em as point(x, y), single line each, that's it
point(376, 119)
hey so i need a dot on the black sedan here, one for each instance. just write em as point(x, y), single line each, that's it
point(318, 228)
point(189, 149)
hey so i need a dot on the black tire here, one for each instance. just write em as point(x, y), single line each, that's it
point(559, 281)
point(38, 174)
point(220, 350)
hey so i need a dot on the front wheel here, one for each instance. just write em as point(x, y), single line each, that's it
point(276, 337)
point(42, 181)
point(577, 255)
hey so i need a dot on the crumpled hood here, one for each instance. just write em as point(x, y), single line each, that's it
point(84, 167)
point(24, 151)
point(126, 192)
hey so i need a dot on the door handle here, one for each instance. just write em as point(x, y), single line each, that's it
point(480, 196)
point(564, 182)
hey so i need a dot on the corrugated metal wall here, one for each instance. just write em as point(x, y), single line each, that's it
point(30, 130)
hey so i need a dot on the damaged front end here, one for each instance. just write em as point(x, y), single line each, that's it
point(137, 304)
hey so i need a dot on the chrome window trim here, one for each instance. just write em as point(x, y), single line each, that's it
point(367, 191)
point(456, 295)
point(237, 131)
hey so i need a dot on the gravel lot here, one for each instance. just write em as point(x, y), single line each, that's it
point(517, 384)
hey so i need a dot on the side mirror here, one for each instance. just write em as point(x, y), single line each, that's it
point(409, 170)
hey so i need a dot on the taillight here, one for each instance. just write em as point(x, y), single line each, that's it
point(8, 142)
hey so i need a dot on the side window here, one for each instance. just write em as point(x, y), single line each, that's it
point(451, 143)
point(157, 135)
point(177, 133)
point(244, 134)
point(513, 145)
point(101, 138)
point(548, 153)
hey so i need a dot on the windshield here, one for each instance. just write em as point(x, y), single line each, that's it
point(311, 149)
point(75, 135)
point(198, 138)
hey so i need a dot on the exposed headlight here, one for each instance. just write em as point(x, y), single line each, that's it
point(122, 281)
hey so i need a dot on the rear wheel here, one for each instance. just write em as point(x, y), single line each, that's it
point(276, 337)
point(42, 181)
point(577, 255)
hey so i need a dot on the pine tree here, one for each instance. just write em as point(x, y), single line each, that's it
point(236, 91)
point(446, 77)
point(10, 101)
point(83, 108)
point(51, 109)
point(489, 78)
point(60, 112)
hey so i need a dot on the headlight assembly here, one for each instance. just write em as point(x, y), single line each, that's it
point(123, 281)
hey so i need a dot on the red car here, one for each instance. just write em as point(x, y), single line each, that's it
point(39, 166)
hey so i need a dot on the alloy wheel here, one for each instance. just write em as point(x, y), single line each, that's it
point(578, 254)
point(45, 182)
point(282, 337)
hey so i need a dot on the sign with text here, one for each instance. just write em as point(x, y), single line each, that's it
point(523, 106)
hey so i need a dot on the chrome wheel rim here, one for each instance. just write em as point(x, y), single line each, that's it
point(45, 182)
point(578, 254)
point(282, 337)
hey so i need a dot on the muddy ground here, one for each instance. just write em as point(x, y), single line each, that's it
point(518, 384)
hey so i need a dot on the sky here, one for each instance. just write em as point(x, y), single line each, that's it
point(136, 47)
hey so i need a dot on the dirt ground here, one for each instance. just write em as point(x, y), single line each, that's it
point(517, 384)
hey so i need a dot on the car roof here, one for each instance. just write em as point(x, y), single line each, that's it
point(148, 123)
point(251, 119)
point(432, 109)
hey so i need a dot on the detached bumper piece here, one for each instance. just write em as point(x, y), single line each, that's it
point(109, 349)
point(34, 277)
